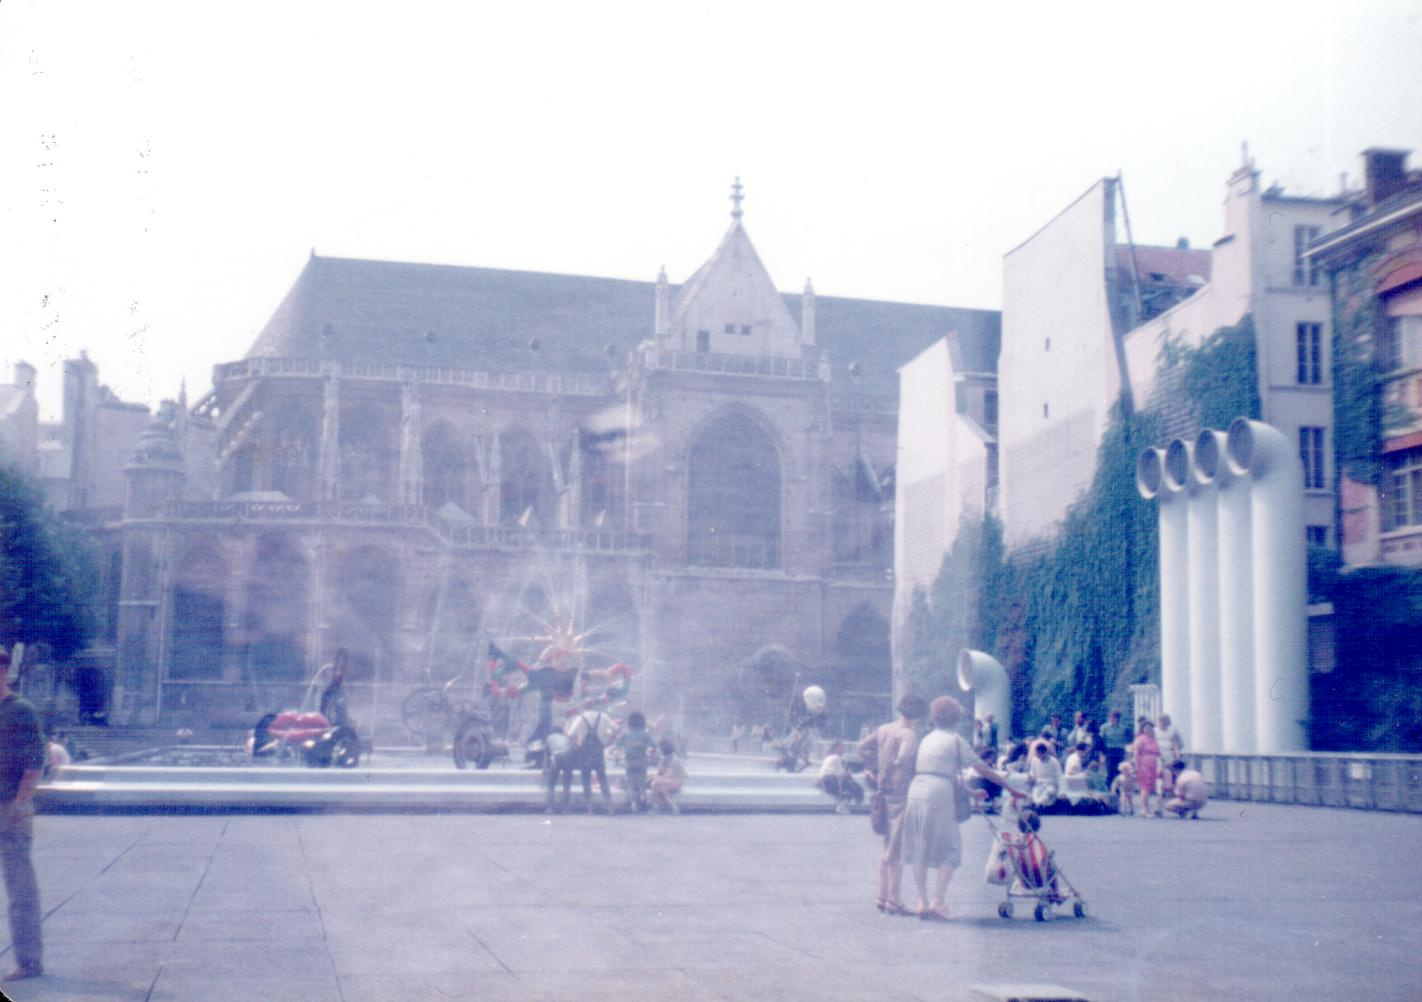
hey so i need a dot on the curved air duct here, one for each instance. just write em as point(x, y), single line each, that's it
point(986, 679)
point(1162, 477)
point(1271, 461)
point(1235, 701)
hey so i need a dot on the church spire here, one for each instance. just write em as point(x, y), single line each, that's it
point(736, 199)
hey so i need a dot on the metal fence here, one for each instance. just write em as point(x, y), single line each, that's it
point(1364, 781)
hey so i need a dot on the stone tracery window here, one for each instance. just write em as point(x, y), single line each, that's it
point(733, 496)
point(446, 467)
point(526, 483)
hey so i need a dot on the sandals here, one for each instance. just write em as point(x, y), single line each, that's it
point(893, 908)
point(934, 915)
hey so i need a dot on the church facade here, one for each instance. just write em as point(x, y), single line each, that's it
point(414, 460)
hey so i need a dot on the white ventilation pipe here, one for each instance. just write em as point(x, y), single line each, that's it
point(1199, 720)
point(1271, 461)
point(1155, 479)
point(1235, 701)
point(982, 675)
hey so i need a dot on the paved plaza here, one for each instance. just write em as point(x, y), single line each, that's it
point(1253, 902)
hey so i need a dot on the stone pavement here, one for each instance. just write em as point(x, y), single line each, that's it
point(1253, 902)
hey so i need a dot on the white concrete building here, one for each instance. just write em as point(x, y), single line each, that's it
point(1085, 314)
point(947, 456)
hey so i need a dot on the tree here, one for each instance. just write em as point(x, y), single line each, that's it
point(48, 572)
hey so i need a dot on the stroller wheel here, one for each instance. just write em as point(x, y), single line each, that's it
point(1004, 910)
point(1040, 913)
point(1079, 909)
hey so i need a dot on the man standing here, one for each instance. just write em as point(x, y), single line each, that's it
point(1116, 736)
point(21, 762)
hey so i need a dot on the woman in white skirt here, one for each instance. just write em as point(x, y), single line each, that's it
point(931, 836)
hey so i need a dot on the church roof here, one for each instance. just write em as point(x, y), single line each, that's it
point(734, 281)
point(486, 318)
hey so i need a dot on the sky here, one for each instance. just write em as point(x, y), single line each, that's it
point(167, 168)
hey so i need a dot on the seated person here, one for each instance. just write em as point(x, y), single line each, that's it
point(836, 780)
point(1046, 774)
point(670, 777)
point(1190, 793)
point(1074, 774)
point(1096, 774)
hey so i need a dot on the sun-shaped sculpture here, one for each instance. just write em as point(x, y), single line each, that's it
point(563, 647)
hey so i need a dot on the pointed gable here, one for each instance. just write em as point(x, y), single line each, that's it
point(732, 299)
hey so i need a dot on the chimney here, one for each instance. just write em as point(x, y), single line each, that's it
point(1384, 173)
point(807, 313)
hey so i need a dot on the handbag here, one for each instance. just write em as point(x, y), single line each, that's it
point(879, 813)
point(999, 864)
point(962, 802)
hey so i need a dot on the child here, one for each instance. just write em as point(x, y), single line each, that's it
point(635, 743)
point(1123, 788)
point(557, 763)
point(1034, 861)
point(1046, 774)
point(670, 777)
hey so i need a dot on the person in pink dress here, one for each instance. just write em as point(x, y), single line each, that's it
point(1146, 755)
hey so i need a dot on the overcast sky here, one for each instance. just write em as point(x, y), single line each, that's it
point(167, 168)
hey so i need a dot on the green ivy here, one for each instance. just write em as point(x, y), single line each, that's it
point(1357, 407)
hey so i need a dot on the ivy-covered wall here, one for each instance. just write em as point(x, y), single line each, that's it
point(1075, 620)
point(1357, 405)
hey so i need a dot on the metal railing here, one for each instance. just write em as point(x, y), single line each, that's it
point(1366, 781)
point(511, 537)
point(760, 366)
point(562, 383)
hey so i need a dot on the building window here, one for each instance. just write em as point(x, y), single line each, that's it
point(1305, 271)
point(1311, 452)
point(1317, 535)
point(990, 410)
point(745, 330)
point(733, 496)
point(1310, 354)
point(1402, 343)
point(703, 341)
point(1047, 344)
point(1402, 490)
point(1045, 412)
point(730, 328)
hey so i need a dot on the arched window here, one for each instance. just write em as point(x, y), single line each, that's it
point(526, 485)
point(198, 636)
point(277, 602)
point(446, 467)
point(601, 485)
point(291, 452)
point(733, 496)
point(862, 653)
point(367, 454)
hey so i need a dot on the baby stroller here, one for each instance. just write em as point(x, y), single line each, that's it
point(1026, 868)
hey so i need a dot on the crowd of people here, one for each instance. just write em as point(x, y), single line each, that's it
point(918, 776)
point(654, 768)
point(1138, 771)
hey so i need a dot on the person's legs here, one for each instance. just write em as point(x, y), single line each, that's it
point(22, 890)
point(601, 769)
point(940, 892)
point(920, 883)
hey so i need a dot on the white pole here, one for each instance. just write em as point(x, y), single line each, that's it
point(1235, 601)
point(1263, 453)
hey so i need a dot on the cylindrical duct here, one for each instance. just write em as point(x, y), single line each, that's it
point(981, 675)
point(1199, 723)
point(1162, 476)
point(1235, 601)
point(1271, 461)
